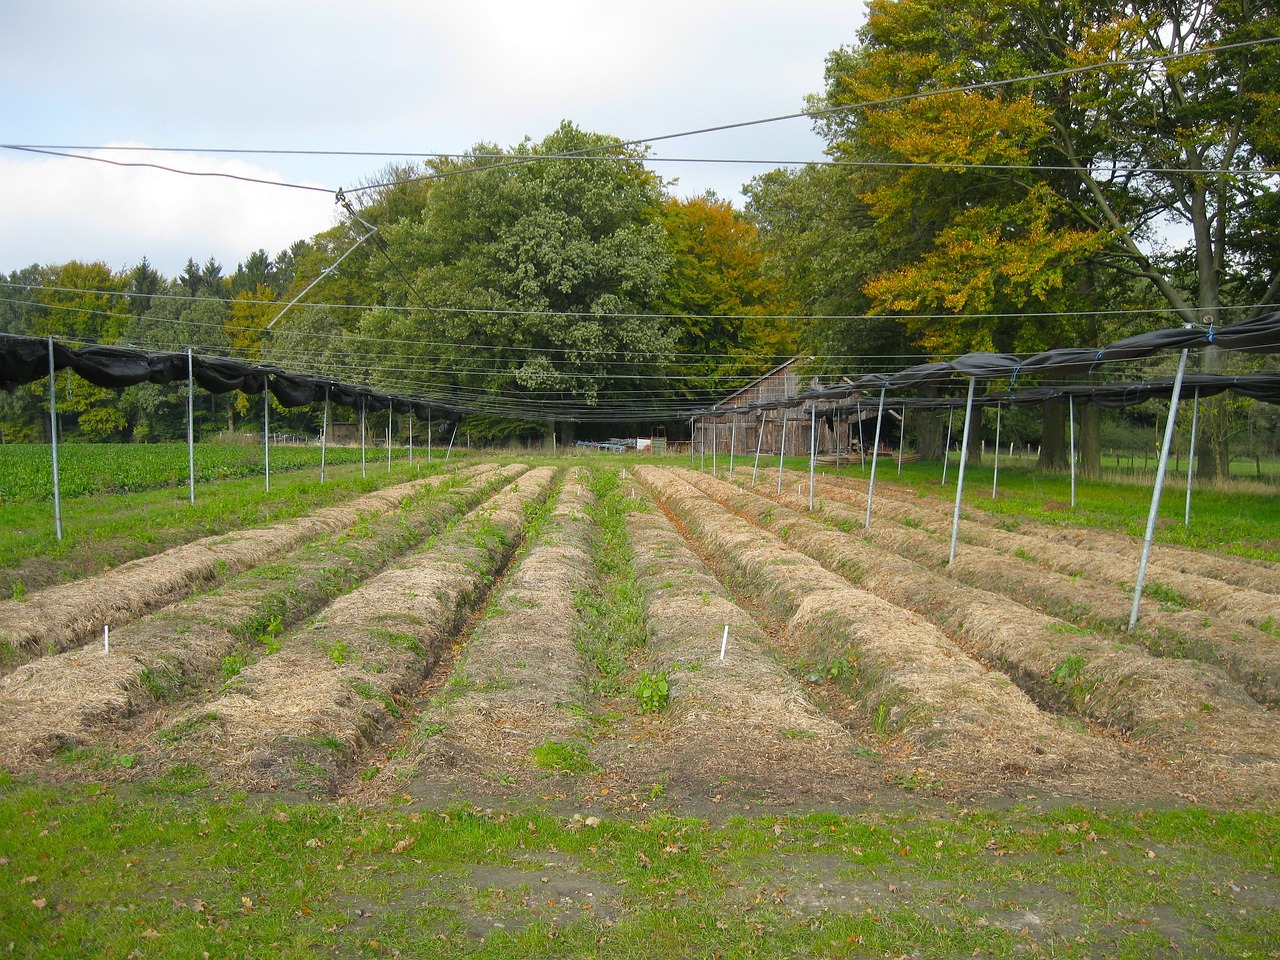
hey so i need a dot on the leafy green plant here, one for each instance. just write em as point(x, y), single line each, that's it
point(652, 692)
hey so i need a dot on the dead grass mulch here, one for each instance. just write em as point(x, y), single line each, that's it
point(971, 728)
point(300, 718)
point(59, 617)
point(69, 698)
point(1190, 712)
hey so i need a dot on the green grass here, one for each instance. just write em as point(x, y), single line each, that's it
point(168, 871)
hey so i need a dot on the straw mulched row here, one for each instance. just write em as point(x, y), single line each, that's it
point(1198, 575)
point(970, 726)
point(1218, 637)
point(63, 700)
point(519, 680)
point(741, 722)
point(1189, 710)
point(60, 617)
point(299, 718)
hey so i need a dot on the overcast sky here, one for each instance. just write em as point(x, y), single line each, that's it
point(410, 76)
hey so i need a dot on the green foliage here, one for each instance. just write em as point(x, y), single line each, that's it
point(652, 692)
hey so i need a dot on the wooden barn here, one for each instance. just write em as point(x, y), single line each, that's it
point(841, 427)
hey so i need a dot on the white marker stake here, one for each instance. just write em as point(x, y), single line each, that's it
point(106, 638)
point(724, 643)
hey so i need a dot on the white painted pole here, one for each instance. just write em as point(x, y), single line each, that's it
point(362, 461)
point(946, 450)
point(324, 433)
point(106, 638)
point(759, 440)
point(862, 445)
point(266, 435)
point(702, 446)
point(835, 435)
point(1155, 492)
point(715, 443)
point(1191, 455)
point(1071, 411)
point(902, 437)
point(411, 438)
point(724, 641)
point(875, 457)
point(693, 422)
point(389, 414)
point(995, 475)
point(733, 439)
point(191, 428)
point(53, 443)
point(813, 448)
point(964, 455)
point(782, 451)
point(430, 431)
point(448, 453)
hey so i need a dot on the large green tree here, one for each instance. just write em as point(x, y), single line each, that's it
point(1031, 184)
point(544, 265)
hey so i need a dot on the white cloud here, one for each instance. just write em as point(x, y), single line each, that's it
point(83, 210)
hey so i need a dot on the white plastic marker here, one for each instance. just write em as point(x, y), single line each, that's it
point(724, 644)
point(106, 638)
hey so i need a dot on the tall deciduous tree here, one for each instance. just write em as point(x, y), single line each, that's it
point(1057, 170)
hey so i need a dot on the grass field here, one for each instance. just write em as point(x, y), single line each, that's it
point(580, 775)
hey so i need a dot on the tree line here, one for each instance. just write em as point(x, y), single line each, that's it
point(1008, 177)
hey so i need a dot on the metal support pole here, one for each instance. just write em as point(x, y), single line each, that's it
point(702, 446)
point(835, 435)
point(692, 432)
point(902, 437)
point(1071, 412)
point(266, 435)
point(1155, 492)
point(191, 428)
point(388, 441)
point(759, 440)
point(782, 451)
point(862, 446)
point(995, 476)
point(733, 439)
point(324, 433)
point(964, 455)
point(430, 431)
point(813, 448)
point(875, 456)
point(946, 449)
point(715, 444)
point(53, 443)
point(362, 461)
point(1191, 455)
point(411, 439)
point(452, 437)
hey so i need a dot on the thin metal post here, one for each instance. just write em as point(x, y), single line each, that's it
point(995, 476)
point(875, 456)
point(759, 440)
point(1155, 492)
point(448, 453)
point(902, 437)
point(835, 434)
point(946, 450)
point(733, 438)
point(191, 429)
point(389, 414)
point(715, 444)
point(1071, 411)
point(1191, 455)
point(411, 438)
point(430, 431)
point(782, 451)
point(964, 455)
point(266, 435)
point(813, 448)
point(702, 446)
point(53, 443)
point(362, 460)
point(324, 432)
point(862, 446)
point(693, 421)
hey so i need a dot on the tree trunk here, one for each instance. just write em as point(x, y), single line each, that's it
point(1090, 428)
point(931, 429)
point(1213, 449)
point(1053, 438)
